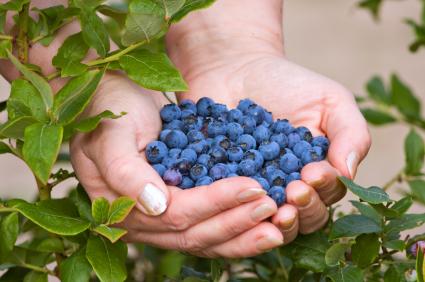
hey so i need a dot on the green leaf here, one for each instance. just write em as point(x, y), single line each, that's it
point(376, 90)
point(353, 225)
point(406, 222)
point(420, 265)
point(16, 128)
point(41, 148)
point(398, 245)
point(216, 270)
point(94, 31)
point(70, 54)
point(367, 211)
point(4, 148)
point(14, 274)
point(107, 259)
point(377, 117)
point(145, 21)
point(5, 47)
point(402, 205)
point(117, 13)
point(14, 5)
point(171, 264)
point(34, 276)
point(82, 201)
point(56, 216)
point(365, 250)
point(76, 268)
point(112, 233)
point(40, 83)
point(414, 152)
point(347, 273)
point(152, 70)
point(119, 209)
point(25, 100)
point(100, 210)
point(418, 189)
point(385, 211)
point(404, 99)
point(189, 6)
point(9, 230)
point(393, 274)
point(171, 7)
point(48, 245)
point(73, 98)
point(2, 20)
point(372, 195)
point(336, 253)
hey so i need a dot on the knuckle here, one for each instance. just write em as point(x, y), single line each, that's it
point(176, 220)
point(121, 168)
point(189, 244)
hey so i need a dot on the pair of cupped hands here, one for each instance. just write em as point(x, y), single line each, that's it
point(231, 217)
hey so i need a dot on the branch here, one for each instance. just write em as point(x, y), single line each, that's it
point(23, 34)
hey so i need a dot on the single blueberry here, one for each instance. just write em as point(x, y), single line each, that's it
point(174, 153)
point(222, 141)
point(292, 177)
point(218, 155)
point(192, 122)
point(277, 193)
point(232, 167)
point(300, 147)
point(197, 171)
point(261, 134)
point(293, 138)
point(256, 112)
point(255, 156)
point(304, 133)
point(290, 163)
point(247, 168)
point(263, 182)
point(174, 124)
point(267, 171)
point(195, 135)
point(156, 151)
point(163, 134)
point(206, 180)
point(277, 178)
point(172, 177)
point(246, 142)
point(204, 106)
point(187, 113)
point(218, 171)
point(268, 117)
point(199, 147)
point(187, 104)
point(160, 168)
point(234, 130)
point(274, 162)
point(321, 154)
point(169, 162)
point(170, 112)
point(219, 110)
point(187, 183)
point(232, 174)
point(244, 105)
point(205, 160)
point(235, 154)
point(282, 126)
point(190, 155)
point(248, 124)
point(183, 166)
point(235, 115)
point(281, 139)
point(216, 128)
point(321, 141)
point(311, 155)
point(269, 150)
point(176, 139)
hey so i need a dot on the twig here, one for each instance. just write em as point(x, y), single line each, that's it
point(399, 177)
point(23, 34)
point(6, 37)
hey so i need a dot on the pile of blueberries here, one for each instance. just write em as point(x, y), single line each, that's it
point(204, 142)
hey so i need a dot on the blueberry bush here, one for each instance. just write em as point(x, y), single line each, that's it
point(75, 239)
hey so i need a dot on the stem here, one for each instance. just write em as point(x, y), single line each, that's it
point(38, 269)
point(41, 37)
point(168, 98)
point(399, 177)
point(4, 209)
point(6, 37)
point(282, 265)
point(116, 56)
point(43, 190)
point(22, 36)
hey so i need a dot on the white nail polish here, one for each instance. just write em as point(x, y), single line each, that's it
point(153, 200)
point(352, 163)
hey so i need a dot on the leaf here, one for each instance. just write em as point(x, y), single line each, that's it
point(414, 152)
point(385, 211)
point(5, 47)
point(171, 264)
point(16, 128)
point(14, 5)
point(35, 276)
point(418, 189)
point(41, 148)
point(365, 250)
point(94, 31)
point(76, 268)
point(404, 99)
point(73, 98)
point(9, 230)
point(398, 245)
point(420, 265)
point(117, 13)
point(171, 7)
point(56, 216)
point(70, 54)
point(14, 274)
point(347, 273)
point(25, 100)
point(4, 148)
point(402, 205)
point(145, 21)
point(216, 270)
point(367, 211)
point(407, 221)
point(107, 259)
point(376, 90)
point(100, 210)
point(152, 70)
point(336, 253)
point(2, 20)
point(377, 117)
point(82, 201)
point(119, 209)
point(189, 6)
point(393, 274)
point(112, 233)
point(40, 83)
point(353, 225)
point(372, 195)
point(48, 245)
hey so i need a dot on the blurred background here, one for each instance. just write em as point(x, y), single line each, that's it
point(337, 39)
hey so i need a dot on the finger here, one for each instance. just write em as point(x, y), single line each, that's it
point(323, 178)
point(348, 134)
point(126, 171)
point(191, 206)
point(313, 214)
point(286, 220)
point(262, 238)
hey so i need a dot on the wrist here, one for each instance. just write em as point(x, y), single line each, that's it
point(242, 29)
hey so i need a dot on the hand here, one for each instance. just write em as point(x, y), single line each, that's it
point(224, 219)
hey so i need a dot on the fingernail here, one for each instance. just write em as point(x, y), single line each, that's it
point(251, 194)
point(262, 212)
point(153, 200)
point(352, 163)
point(303, 197)
point(267, 243)
point(316, 183)
point(286, 223)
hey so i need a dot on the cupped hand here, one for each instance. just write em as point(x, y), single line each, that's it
point(224, 219)
point(305, 98)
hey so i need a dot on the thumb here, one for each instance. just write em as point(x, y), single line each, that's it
point(349, 137)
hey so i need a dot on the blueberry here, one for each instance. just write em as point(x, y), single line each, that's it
point(321, 141)
point(255, 156)
point(256, 112)
point(170, 112)
point(210, 142)
point(263, 182)
point(269, 150)
point(219, 110)
point(174, 124)
point(321, 154)
point(311, 155)
point(176, 139)
point(190, 155)
point(232, 174)
point(169, 162)
point(234, 130)
point(183, 166)
point(174, 153)
point(277, 193)
point(222, 141)
point(247, 168)
point(267, 171)
point(218, 155)
point(156, 151)
point(197, 171)
point(290, 163)
point(293, 138)
point(204, 106)
point(261, 134)
point(281, 139)
point(218, 171)
point(304, 133)
point(232, 167)
point(277, 178)
point(292, 177)
point(235, 115)
point(285, 151)
point(244, 105)
point(163, 134)
point(187, 113)
point(216, 128)
point(195, 135)
point(160, 168)
point(282, 126)
point(248, 124)
point(246, 142)
point(172, 177)
point(268, 117)
point(199, 147)
point(300, 147)
point(206, 180)
point(235, 154)
point(205, 160)
point(187, 104)
point(187, 183)
point(274, 162)
point(192, 122)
